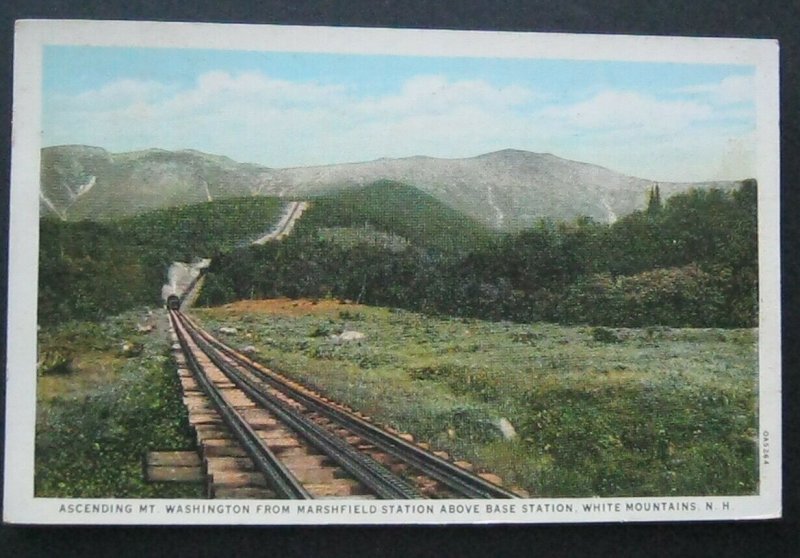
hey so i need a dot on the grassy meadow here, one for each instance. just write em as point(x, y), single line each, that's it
point(106, 394)
point(596, 411)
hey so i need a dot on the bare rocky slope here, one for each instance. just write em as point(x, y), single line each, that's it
point(506, 189)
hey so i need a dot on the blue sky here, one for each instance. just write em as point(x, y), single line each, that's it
point(653, 120)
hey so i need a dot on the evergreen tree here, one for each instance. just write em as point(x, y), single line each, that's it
point(654, 201)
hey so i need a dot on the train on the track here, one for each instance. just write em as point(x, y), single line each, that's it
point(173, 302)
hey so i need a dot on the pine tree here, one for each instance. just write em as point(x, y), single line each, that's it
point(654, 200)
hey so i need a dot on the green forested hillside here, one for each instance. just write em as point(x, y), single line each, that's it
point(204, 229)
point(91, 269)
point(691, 261)
point(396, 208)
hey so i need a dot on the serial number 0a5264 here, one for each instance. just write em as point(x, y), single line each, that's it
point(765, 447)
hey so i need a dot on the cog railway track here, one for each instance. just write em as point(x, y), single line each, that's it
point(263, 435)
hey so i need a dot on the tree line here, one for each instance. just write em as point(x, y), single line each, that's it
point(688, 261)
point(89, 269)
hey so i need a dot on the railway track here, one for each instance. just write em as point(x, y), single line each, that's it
point(264, 435)
point(285, 224)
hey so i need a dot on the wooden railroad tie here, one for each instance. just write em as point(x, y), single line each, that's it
point(174, 466)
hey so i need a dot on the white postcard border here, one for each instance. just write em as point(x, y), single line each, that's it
point(31, 36)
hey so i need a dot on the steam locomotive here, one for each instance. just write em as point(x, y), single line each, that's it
point(173, 302)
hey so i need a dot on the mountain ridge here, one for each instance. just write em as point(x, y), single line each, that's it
point(507, 189)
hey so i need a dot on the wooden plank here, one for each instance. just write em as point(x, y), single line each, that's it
point(235, 398)
point(225, 441)
point(282, 443)
point(173, 459)
point(491, 477)
point(204, 418)
point(316, 476)
point(258, 418)
point(214, 432)
point(197, 404)
point(189, 385)
point(174, 474)
point(337, 488)
point(214, 464)
point(305, 461)
point(243, 493)
point(238, 479)
point(224, 451)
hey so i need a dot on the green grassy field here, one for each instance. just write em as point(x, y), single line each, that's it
point(606, 412)
point(101, 406)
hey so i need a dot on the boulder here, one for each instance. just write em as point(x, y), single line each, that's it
point(506, 428)
point(350, 335)
point(128, 349)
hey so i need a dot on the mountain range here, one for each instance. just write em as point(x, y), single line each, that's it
point(507, 189)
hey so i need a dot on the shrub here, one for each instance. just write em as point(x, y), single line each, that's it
point(350, 316)
point(320, 330)
point(676, 297)
point(604, 335)
point(642, 439)
point(55, 363)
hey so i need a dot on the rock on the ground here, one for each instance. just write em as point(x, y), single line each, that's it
point(249, 350)
point(128, 349)
point(228, 330)
point(506, 429)
point(347, 336)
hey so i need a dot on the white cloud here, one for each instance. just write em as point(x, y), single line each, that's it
point(431, 93)
point(245, 96)
point(610, 110)
point(255, 117)
point(730, 90)
point(254, 107)
point(112, 95)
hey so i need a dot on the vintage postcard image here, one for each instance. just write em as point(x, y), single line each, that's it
point(299, 275)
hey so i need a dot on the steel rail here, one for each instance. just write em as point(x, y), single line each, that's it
point(277, 474)
point(191, 286)
point(369, 472)
point(454, 477)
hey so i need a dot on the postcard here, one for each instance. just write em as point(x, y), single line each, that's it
point(309, 275)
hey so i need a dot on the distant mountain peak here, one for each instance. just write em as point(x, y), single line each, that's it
point(506, 189)
point(510, 152)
